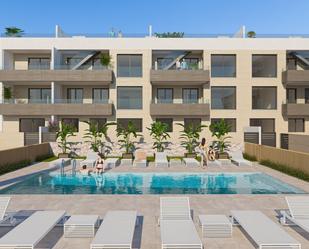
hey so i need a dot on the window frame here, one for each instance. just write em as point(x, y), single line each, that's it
point(274, 124)
point(218, 120)
point(169, 119)
point(76, 119)
point(187, 119)
point(40, 59)
point(227, 55)
point(20, 120)
point(41, 92)
point(137, 87)
point(276, 97)
point(230, 87)
point(190, 88)
point(100, 88)
point(265, 55)
point(130, 119)
point(129, 66)
point(295, 124)
point(165, 88)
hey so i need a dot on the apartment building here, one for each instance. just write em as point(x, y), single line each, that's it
point(250, 82)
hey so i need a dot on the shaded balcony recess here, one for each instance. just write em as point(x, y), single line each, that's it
point(177, 60)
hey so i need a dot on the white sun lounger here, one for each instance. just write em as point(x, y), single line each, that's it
point(30, 232)
point(161, 159)
point(177, 228)
point(238, 159)
point(116, 231)
point(191, 162)
point(175, 208)
point(111, 162)
point(90, 159)
point(298, 212)
point(177, 234)
point(5, 217)
point(263, 231)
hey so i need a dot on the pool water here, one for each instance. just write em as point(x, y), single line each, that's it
point(152, 183)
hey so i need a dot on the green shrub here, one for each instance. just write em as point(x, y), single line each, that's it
point(286, 169)
point(44, 158)
point(6, 168)
point(249, 157)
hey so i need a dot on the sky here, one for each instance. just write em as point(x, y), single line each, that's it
point(134, 16)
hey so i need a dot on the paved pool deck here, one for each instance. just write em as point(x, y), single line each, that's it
point(147, 206)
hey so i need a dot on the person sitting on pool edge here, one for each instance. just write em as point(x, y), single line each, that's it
point(84, 170)
point(99, 165)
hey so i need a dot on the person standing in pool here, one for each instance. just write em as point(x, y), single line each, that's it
point(99, 165)
point(203, 149)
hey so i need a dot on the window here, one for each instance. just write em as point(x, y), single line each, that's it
point(75, 95)
point(72, 122)
point(264, 66)
point(223, 65)
point(291, 95)
point(39, 95)
point(129, 97)
point(306, 95)
point(230, 121)
point(223, 98)
point(129, 65)
point(165, 95)
point(266, 124)
point(100, 95)
point(163, 62)
point(190, 95)
point(38, 63)
point(192, 121)
point(168, 121)
point(296, 125)
point(138, 123)
point(98, 121)
point(264, 98)
point(30, 124)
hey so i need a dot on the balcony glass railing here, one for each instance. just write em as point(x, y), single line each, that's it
point(39, 67)
point(57, 101)
point(179, 66)
point(83, 67)
point(180, 101)
point(26, 101)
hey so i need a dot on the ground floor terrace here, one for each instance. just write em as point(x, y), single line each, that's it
point(147, 236)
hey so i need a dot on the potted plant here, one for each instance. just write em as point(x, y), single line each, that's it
point(126, 134)
point(220, 130)
point(158, 131)
point(13, 32)
point(105, 60)
point(190, 136)
point(7, 94)
point(97, 135)
point(251, 34)
point(63, 134)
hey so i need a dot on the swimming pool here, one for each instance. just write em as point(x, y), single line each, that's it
point(152, 183)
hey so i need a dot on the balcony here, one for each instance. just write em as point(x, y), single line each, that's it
point(37, 108)
point(103, 76)
point(178, 108)
point(295, 110)
point(295, 78)
point(179, 77)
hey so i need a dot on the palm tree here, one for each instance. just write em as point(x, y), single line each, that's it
point(190, 135)
point(13, 32)
point(97, 134)
point(63, 134)
point(127, 133)
point(158, 131)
